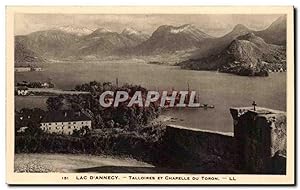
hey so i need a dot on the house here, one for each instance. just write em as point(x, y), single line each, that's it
point(22, 91)
point(65, 122)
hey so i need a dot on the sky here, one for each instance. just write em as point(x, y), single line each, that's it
point(212, 24)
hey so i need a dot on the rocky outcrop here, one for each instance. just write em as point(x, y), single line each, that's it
point(261, 139)
point(247, 55)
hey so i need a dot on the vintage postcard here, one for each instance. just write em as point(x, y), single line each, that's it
point(150, 95)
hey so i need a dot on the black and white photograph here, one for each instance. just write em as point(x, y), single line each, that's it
point(152, 93)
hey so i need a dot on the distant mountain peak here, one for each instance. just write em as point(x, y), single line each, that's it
point(281, 18)
point(130, 31)
point(80, 31)
point(279, 22)
point(240, 28)
point(276, 32)
point(170, 39)
point(101, 31)
point(134, 35)
point(187, 29)
point(176, 29)
point(182, 28)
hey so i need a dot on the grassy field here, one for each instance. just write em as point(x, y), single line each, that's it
point(31, 102)
point(46, 163)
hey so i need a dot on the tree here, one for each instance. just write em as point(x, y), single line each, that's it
point(55, 103)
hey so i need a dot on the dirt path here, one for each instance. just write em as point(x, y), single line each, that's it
point(43, 163)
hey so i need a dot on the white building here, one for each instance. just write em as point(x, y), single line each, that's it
point(22, 91)
point(65, 122)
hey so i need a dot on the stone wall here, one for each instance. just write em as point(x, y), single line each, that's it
point(258, 145)
point(201, 151)
point(261, 139)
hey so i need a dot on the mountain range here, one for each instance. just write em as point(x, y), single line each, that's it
point(69, 42)
point(168, 39)
point(75, 30)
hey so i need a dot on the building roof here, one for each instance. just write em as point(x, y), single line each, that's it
point(64, 116)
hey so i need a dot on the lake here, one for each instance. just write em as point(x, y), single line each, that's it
point(219, 89)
